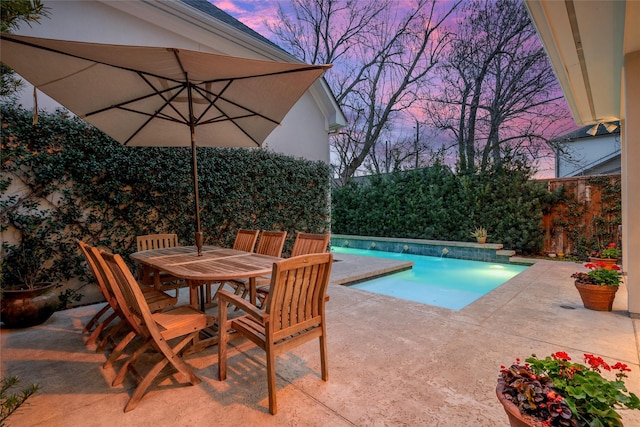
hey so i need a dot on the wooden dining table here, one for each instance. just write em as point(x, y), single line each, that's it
point(215, 265)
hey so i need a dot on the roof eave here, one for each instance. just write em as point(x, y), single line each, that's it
point(587, 62)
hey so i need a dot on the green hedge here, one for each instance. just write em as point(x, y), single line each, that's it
point(83, 185)
point(433, 203)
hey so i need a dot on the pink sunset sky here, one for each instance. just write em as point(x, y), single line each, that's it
point(256, 14)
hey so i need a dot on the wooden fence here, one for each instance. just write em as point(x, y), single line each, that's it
point(588, 217)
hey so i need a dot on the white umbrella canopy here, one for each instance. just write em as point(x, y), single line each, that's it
point(156, 96)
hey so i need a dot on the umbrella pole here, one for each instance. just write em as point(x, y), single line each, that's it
point(194, 167)
point(194, 164)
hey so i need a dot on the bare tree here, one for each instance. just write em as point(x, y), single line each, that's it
point(382, 57)
point(403, 152)
point(498, 93)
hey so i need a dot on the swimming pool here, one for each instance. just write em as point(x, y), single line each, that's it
point(443, 282)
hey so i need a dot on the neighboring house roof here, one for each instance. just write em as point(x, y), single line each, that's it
point(219, 14)
point(584, 132)
point(327, 100)
point(590, 150)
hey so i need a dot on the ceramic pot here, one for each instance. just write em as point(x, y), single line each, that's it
point(481, 240)
point(516, 419)
point(28, 307)
point(596, 297)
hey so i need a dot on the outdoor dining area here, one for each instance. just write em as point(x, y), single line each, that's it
point(389, 361)
point(141, 316)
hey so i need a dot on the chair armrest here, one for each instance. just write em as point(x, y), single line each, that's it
point(243, 304)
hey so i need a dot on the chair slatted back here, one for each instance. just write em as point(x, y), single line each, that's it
point(98, 336)
point(308, 243)
point(128, 293)
point(246, 240)
point(271, 243)
point(156, 241)
point(297, 294)
point(101, 279)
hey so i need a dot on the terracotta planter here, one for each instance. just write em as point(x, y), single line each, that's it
point(516, 419)
point(605, 261)
point(481, 240)
point(28, 307)
point(596, 297)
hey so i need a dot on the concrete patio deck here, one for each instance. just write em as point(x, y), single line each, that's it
point(391, 362)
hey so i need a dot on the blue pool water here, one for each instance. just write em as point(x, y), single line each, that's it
point(444, 282)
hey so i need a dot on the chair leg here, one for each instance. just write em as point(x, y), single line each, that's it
point(125, 367)
point(103, 342)
point(117, 351)
point(100, 328)
point(271, 379)
point(323, 357)
point(95, 319)
point(169, 355)
point(223, 336)
point(144, 385)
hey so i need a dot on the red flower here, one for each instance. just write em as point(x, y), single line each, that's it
point(611, 245)
point(561, 355)
point(596, 362)
point(621, 366)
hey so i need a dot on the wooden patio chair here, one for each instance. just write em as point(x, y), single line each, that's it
point(270, 243)
point(245, 241)
point(305, 243)
point(111, 307)
point(294, 313)
point(157, 300)
point(308, 243)
point(158, 241)
point(156, 329)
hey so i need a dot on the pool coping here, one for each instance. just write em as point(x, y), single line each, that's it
point(350, 269)
point(487, 252)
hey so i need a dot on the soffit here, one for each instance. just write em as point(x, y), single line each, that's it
point(586, 42)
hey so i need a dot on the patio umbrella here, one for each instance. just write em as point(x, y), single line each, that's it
point(156, 96)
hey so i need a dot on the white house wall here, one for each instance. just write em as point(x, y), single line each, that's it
point(585, 153)
point(304, 131)
point(297, 136)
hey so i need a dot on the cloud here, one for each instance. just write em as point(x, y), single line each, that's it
point(253, 14)
point(228, 6)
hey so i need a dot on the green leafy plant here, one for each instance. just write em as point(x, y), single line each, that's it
point(435, 203)
point(63, 180)
point(545, 388)
point(610, 252)
point(10, 402)
point(24, 261)
point(588, 226)
point(600, 274)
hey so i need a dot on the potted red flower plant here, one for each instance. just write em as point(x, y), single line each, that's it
point(598, 287)
point(555, 392)
point(608, 255)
